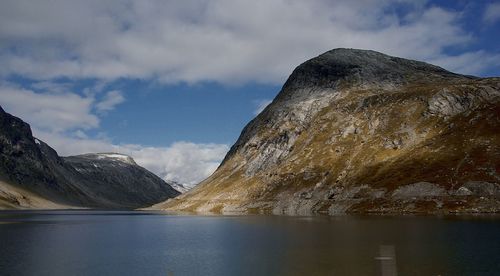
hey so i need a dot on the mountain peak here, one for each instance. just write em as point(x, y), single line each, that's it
point(109, 156)
point(355, 66)
point(360, 131)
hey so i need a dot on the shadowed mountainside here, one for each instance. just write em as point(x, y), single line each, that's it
point(33, 175)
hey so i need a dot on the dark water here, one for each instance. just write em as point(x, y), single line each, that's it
point(140, 243)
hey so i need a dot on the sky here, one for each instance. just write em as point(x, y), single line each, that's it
point(173, 83)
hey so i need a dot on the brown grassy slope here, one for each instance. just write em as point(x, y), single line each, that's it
point(360, 148)
point(12, 197)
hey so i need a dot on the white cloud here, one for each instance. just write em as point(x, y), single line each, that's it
point(261, 105)
point(56, 112)
point(109, 102)
point(54, 87)
point(492, 13)
point(54, 108)
point(184, 162)
point(200, 40)
point(80, 134)
point(469, 63)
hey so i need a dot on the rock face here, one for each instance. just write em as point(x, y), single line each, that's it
point(33, 175)
point(360, 131)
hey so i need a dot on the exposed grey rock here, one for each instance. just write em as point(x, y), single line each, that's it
point(362, 67)
point(446, 104)
point(271, 152)
point(339, 207)
point(462, 191)
point(481, 188)
point(419, 189)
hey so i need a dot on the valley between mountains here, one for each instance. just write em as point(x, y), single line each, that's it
point(34, 176)
point(351, 131)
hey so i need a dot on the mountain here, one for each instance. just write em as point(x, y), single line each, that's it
point(359, 131)
point(181, 188)
point(33, 175)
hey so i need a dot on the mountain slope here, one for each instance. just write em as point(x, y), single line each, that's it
point(33, 175)
point(118, 179)
point(360, 131)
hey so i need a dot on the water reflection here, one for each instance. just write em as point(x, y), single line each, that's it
point(387, 260)
point(121, 243)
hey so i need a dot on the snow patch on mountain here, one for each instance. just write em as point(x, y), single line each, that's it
point(116, 156)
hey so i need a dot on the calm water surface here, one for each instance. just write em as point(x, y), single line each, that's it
point(144, 243)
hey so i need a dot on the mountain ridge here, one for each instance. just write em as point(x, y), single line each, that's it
point(354, 131)
point(33, 175)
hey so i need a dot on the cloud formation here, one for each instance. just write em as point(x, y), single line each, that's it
point(468, 63)
point(109, 102)
point(53, 107)
point(492, 13)
point(221, 40)
point(51, 111)
point(183, 162)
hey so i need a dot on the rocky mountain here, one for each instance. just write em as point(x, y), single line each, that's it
point(181, 188)
point(360, 131)
point(33, 175)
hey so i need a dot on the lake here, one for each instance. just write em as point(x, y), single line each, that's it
point(153, 243)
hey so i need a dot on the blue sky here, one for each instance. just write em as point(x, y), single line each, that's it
point(172, 83)
point(202, 113)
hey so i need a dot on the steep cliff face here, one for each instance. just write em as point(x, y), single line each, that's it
point(360, 131)
point(26, 167)
point(33, 175)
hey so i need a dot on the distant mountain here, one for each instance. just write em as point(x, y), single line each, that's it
point(33, 175)
point(182, 188)
point(360, 131)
